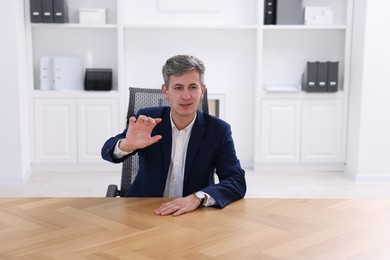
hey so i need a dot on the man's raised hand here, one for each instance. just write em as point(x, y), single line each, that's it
point(138, 133)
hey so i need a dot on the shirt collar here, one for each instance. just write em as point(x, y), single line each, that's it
point(188, 128)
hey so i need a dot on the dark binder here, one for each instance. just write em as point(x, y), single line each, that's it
point(60, 11)
point(333, 76)
point(47, 11)
point(270, 11)
point(35, 11)
point(322, 76)
point(309, 77)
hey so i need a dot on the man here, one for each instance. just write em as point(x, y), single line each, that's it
point(180, 147)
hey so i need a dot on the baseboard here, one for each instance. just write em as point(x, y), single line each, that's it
point(372, 178)
point(77, 167)
point(303, 167)
point(23, 178)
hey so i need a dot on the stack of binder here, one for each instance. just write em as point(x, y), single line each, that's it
point(320, 76)
point(48, 11)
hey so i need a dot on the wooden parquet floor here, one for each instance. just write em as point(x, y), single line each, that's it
point(102, 228)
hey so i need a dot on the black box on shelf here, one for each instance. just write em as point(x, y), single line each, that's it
point(98, 79)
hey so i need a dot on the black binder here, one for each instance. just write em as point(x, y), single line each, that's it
point(309, 77)
point(60, 11)
point(35, 11)
point(322, 76)
point(47, 11)
point(270, 11)
point(333, 75)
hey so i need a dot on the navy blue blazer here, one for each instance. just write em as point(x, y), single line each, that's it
point(210, 149)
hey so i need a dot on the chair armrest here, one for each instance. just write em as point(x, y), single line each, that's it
point(112, 191)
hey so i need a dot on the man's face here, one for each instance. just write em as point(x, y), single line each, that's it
point(184, 94)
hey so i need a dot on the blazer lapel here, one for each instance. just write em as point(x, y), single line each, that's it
point(166, 133)
point(197, 133)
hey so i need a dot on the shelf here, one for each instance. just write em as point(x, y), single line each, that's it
point(302, 95)
point(74, 25)
point(73, 94)
point(174, 26)
point(304, 27)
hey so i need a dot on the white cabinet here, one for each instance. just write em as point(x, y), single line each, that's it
point(302, 131)
point(323, 140)
point(55, 132)
point(280, 131)
point(97, 121)
point(72, 130)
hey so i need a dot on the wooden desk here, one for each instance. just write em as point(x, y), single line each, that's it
point(113, 228)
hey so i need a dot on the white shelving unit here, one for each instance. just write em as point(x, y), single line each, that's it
point(242, 58)
point(296, 130)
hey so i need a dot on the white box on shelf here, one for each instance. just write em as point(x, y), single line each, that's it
point(68, 73)
point(318, 15)
point(92, 15)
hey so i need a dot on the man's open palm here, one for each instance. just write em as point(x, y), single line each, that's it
point(138, 133)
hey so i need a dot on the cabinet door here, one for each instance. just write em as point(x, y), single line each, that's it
point(322, 139)
point(55, 130)
point(280, 130)
point(97, 121)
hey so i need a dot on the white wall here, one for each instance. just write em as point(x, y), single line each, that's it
point(368, 155)
point(14, 149)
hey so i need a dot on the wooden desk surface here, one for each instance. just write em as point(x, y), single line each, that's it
point(113, 228)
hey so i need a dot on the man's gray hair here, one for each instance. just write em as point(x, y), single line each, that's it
point(180, 64)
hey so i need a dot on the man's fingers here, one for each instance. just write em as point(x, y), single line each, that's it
point(132, 120)
point(147, 120)
point(156, 138)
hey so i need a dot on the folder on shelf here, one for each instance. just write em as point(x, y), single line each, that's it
point(309, 77)
point(289, 12)
point(270, 11)
point(45, 73)
point(60, 11)
point(322, 76)
point(47, 11)
point(333, 74)
point(68, 73)
point(35, 11)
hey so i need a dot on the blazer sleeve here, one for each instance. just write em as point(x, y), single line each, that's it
point(109, 146)
point(232, 184)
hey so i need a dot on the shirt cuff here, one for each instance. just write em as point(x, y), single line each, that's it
point(118, 153)
point(210, 200)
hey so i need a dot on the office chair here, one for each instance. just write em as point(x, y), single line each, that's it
point(141, 98)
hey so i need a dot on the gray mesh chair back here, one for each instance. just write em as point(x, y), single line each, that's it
point(141, 98)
